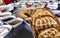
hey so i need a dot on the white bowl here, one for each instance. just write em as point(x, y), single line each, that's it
point(18, 19)
point(7, 7)
point(5, 17)
point(4, 13)
point(7, 29)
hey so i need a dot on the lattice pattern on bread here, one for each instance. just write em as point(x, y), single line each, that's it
point(45, 23)
point(41, 12)
point(43, 19)
point(49, 33)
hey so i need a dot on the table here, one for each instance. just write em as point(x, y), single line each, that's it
point(20, 32)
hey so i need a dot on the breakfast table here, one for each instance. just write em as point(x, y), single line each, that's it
point(24, 30)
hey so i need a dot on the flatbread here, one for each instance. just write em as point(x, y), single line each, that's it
point(43, 19)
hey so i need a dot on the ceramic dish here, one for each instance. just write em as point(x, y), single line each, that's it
point(5, 17)
point(5, 14)
point(8, 18)
point(15, 22)
point(6, 7)
point(4, 30)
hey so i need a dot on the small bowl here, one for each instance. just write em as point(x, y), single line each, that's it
point(5, 14)
point(5, 29)
point(8, 18)
point(5, 17)
point(15, 22)
point(8, 7)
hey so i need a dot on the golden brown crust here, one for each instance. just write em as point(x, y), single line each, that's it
point(50, 33)
point(43, 19)
point(41, 12)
